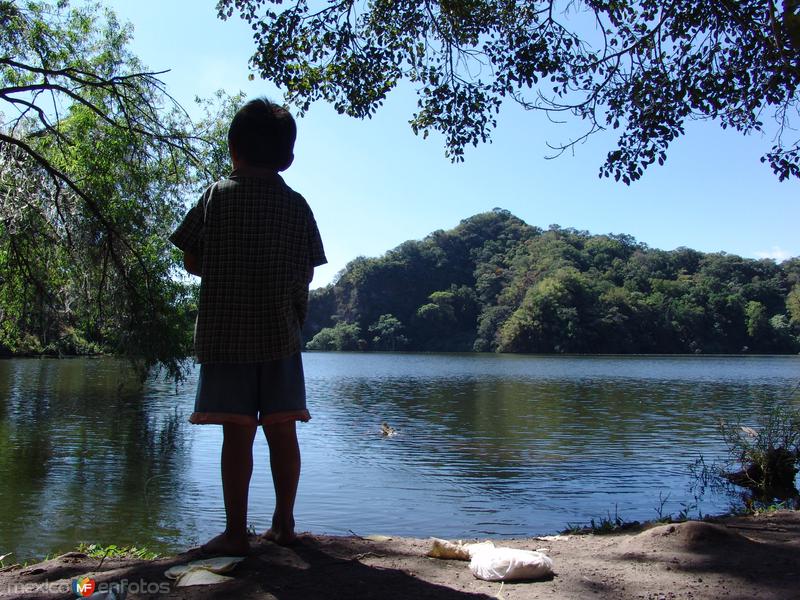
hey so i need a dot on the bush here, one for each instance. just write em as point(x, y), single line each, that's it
point(72, 343)
point(764, 459)
point(343, 336)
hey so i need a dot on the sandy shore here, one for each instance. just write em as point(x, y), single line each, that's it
point(736, 558)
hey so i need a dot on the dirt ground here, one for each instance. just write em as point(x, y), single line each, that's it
point(736, 558)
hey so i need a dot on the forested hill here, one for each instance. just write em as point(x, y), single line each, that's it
point(495, 283)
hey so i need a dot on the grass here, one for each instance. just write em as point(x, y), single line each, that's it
point(765, 508)
point(114, 551)
point(5, 561)
point(92, 551)
point(603, 526)
point(617, 524)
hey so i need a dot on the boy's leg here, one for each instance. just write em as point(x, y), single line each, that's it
point(284, 460)
point(237, 468)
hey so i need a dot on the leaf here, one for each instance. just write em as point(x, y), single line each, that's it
point(200, 576)
point(377, 538)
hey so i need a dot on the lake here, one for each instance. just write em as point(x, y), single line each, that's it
point(486, 445)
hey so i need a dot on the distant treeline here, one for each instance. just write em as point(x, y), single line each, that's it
point(497, 284)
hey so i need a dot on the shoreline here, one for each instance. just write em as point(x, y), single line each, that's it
point(602, 526)
point(735, 557)
point(54, 354)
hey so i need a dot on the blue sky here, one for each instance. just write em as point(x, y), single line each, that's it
point(373, 184)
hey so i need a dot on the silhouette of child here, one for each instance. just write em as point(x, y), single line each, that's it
point(254, 243)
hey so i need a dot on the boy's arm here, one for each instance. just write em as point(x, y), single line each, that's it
point(188, 237)
point(301, 299)
point(191, 263)
point(315, 257)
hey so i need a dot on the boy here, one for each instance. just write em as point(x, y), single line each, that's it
point(254, 243)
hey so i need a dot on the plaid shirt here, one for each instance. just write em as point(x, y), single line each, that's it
point(258, 244)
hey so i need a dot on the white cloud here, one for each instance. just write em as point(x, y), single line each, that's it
point(776, 253)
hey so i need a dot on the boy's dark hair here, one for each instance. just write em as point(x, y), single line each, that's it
point(262, 134)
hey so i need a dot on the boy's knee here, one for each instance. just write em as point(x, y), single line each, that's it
point(237, 432)
point(280, 431)
point(282, 442)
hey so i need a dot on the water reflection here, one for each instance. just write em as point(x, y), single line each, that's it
point(515, 445)
point(500, 445)
point(83, 453)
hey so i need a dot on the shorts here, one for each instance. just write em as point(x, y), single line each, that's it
point(264, 393)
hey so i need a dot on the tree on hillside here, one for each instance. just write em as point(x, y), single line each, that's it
point(387, 334)
point(643, 67)
point(555, 291)
point(96, 161)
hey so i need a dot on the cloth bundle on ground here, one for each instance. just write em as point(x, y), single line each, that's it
point(491, 563)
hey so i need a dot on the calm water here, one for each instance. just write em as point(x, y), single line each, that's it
point(486, 445)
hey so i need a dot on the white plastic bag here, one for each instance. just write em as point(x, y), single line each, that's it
point(510, 564)
point(456, 550)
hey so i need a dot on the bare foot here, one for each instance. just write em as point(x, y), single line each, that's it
point(279, 537)
point(225, 545)
point(281, 533)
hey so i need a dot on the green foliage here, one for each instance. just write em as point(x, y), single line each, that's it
point(557, 314)
point(641, 66)
point(342, 336)
point(439, 324)
point(793, 305)
point(387, 333)
point(765, 458)
point(494, 283)
point(212, 130)
point(96, 164)
point(756, 319)
point(603, 526)
point(114, 551)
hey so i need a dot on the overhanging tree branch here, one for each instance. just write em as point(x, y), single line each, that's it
point(95, 151)
point(657, 64)
point(96, 211)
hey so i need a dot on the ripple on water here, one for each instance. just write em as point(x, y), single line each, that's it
point(485, 445)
